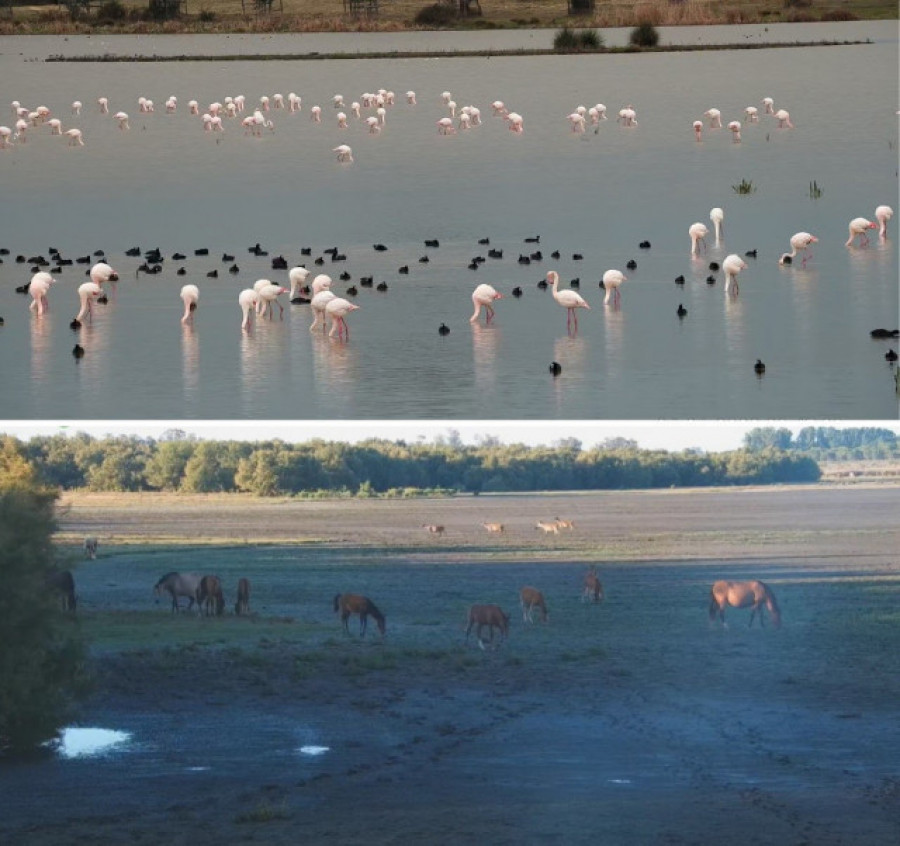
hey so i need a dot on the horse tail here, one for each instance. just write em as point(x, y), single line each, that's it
point(337, 602)
point(772, 605)
point(714, 606)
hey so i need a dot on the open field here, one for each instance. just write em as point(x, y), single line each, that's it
point(398, 15)
point(632, 721)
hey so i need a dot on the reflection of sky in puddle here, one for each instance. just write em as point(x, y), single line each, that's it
point(314, 750)
point(86, 742)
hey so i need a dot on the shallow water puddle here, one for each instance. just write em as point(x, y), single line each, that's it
point(314, 750)
point(89, 742)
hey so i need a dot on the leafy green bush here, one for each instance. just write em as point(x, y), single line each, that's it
point(581, 41)
point(41, 660)
point(644, 35)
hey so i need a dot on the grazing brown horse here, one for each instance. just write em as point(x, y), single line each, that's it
point(242, 606)
point(593, 587)
point(532, 598)
point(178, 584)
point(62, 583)
point(751, 594)
point(490, 616)
point(210, 597)
point(353, 603)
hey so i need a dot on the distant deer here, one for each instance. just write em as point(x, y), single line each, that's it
point(494, 527)
point(565, 524)
point(547, 527)
point(434, 530)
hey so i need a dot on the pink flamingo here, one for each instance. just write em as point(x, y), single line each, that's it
point(883, 214)
point(484, 296)
point(248, 300)
point(75, 139)
point(858, 226)
point(411, 98)
point(445, 126)
point(76, 107)
point(698, 233)
point(568, 299)
point(86, 295)
point(800, 242)
point(101, 272)
point(322, 282)
point(318, 303)
point(769, 103)
point(735, 127)
point(268, 294)
point(751, 114)
point(732, 266)
point(344, 152)
point(38, 288)
point(190, 295)
point(103, 103)
point(315, 114)
point(610, 282)
point(716, 215)
point(122, 118)
point(337, 309)
point(298, 277)
point(515, 121)
point(698, 130)
point(715, 118)
point(783, 116)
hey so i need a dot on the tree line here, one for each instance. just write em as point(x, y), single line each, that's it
point(827, 443)
point(176, 462)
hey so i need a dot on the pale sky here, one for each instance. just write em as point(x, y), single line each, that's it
point(711, 436)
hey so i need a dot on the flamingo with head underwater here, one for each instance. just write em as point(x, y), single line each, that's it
point(190, 295)
point(610, 282)
point(483, 297)
point(800, 243)
point(732, 266)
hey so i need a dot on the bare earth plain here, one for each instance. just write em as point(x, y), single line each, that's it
point(632, 721)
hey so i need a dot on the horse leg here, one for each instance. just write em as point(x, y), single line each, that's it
point(363, 620)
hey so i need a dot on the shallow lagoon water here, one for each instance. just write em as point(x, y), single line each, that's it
point(168, 184)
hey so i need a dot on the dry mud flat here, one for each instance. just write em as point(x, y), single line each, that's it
point(628, 722)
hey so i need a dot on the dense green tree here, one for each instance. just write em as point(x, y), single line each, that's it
point(41, 659)
point(167, 465)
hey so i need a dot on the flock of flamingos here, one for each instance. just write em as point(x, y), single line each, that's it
point(208, 594)
point(327, 306)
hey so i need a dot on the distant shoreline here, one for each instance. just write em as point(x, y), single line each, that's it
point(441, 54)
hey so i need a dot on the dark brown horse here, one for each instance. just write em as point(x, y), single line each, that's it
point(62, 583)
point(530, 599)
point(242, 606)
point(593, 587)
point(490, 616)
point(210, 597)
point(353, 603)
point(751, 594)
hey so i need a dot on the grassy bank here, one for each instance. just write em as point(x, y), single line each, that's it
point(232, 16)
